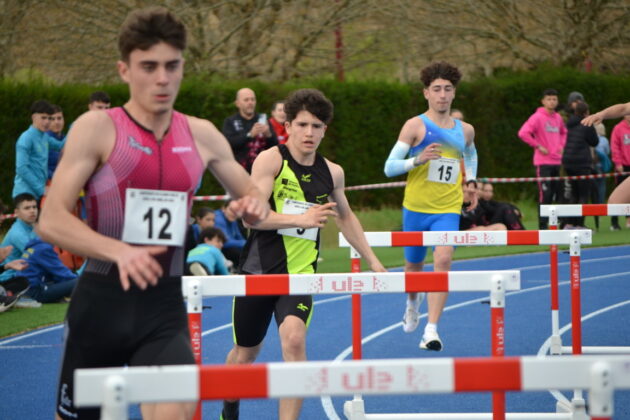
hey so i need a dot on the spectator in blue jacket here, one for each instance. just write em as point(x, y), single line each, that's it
point(226, 221)
point(31, 152)
point(21, 231)
point(208, 253)
point(55, 131)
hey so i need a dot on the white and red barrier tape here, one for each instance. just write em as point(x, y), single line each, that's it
point(472, 238)
point(336, 283)
point(384, 376)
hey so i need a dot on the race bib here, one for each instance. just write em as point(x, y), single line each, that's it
point(298, 207)
point(154, 217)
point(444, 170)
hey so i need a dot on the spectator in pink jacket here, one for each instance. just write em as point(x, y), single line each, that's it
point(620, 151)
point(546, 133)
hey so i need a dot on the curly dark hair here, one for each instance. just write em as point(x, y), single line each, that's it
point(144, 28)
point(311, 100)
point(440, 70)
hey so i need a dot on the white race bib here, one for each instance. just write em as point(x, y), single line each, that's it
point(298, 207)
point(444, 170)
point(154, 217)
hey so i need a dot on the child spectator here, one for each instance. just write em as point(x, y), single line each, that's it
point(208, 254)
point(226, 221)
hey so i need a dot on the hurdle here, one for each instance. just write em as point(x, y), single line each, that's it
point(115, 388)
point(194, 288)
point(469, 238)
point(553, 212)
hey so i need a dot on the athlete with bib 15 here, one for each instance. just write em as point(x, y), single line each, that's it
point(429, 148)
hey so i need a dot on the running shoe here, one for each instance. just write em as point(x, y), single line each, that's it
point(411, 319)
point(6, 302)
point(615, 227)
point(27, 302)
point(431, 341)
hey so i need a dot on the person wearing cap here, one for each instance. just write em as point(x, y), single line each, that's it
point(31, 152)
point(572, 100)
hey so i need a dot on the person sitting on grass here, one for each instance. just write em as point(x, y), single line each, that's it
point(206, 258)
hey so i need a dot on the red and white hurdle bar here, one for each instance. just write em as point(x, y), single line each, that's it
point(497, 282)
point(469, 238)
point(553, 211)
point(115, 388)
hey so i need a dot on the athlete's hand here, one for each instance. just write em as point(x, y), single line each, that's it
point(250, 209)
point(592, 119)
point(317, 216)
point(431, 152)
point(138, 264)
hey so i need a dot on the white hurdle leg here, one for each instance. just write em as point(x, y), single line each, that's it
point(115, 405)
point(601, 395)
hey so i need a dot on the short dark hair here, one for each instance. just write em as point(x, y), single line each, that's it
point(210, 233)
point(202, 211)
point(144, 28)
point(41, 107)
point(440, 70)
point(20, 198)
point(99, 96)
point(275, 104)
point(311, 100)
point(56, 108)
point(549, 92)
point(581, 109)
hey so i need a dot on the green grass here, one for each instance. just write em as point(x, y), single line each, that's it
point(337, 260)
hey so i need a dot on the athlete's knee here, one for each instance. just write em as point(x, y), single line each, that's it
point(413, 267)
point(442, 260)
point(293, 338)
point(245, 355)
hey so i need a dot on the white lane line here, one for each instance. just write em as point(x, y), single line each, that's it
point(327, 404)
point(31, 334)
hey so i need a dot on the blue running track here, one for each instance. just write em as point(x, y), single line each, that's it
point(29, 363)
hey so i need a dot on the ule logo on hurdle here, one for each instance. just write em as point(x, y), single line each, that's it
point(368, 379)
point(464, 238)
point(349, 285)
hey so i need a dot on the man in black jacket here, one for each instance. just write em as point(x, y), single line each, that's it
point(247, 131)
point(577, 158)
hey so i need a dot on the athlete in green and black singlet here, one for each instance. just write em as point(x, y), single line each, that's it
point(289, 250)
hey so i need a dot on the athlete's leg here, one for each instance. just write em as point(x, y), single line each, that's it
point(168, 411)
point(442, 258)
point(292, 333)
point(414, 262)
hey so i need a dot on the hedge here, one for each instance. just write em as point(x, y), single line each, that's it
point(368, 117)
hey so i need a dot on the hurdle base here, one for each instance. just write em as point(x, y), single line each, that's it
point(466, 416)
point(354, 409)
point(598, 350)
point(577, 410)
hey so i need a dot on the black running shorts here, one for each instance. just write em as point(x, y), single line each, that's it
point(251, 315)
point(108, 327)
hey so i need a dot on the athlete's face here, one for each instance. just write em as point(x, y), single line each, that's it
point(153, 77)
point(306, 132)
point(56, 122)
point(440, 95)
point(27, 212)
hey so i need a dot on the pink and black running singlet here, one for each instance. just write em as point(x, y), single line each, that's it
point(139, 160)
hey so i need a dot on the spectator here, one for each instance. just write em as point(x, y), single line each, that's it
point(31, 152)
point(602, 165)
point(475, 218)
point(620, 149)
point(277, 120)
point(235, 241)
point(203, 219)
point(99, 100)
point(56, 132)
point(546, 133)
point(572, 100)
point(247, 131)
point(457, 114)
point(208, 254)
point(21, 231)
point(578, 160)
point(501, 212)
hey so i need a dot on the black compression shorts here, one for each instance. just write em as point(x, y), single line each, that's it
point(251, 315)
point(108, 327)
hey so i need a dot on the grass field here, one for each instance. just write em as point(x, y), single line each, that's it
point(337, 259)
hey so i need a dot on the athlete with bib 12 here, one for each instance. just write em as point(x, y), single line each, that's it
point(429, 148)
point(140, 165)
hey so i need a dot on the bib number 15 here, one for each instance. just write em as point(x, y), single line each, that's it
point(444, 170)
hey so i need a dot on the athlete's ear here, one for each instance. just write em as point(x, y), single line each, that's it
point(123, 70)
point(425, 92)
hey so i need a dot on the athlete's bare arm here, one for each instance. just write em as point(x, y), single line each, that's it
point(264, 170)
point(621, 194)
point(248, 203)
point(89, 144)
point(469, 135)
point(348, 222)
point(614, 111)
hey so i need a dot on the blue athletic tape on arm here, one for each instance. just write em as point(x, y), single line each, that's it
point(396, 164)
point(470, 161)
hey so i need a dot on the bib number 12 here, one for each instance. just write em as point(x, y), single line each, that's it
point(164, 217)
